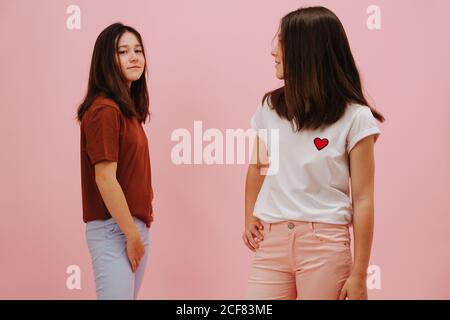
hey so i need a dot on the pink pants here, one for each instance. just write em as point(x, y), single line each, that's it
point(300, 260)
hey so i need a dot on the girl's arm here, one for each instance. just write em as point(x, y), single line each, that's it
point(114, 198)
point(362, 172)
point(253, 184)
point(115, 201)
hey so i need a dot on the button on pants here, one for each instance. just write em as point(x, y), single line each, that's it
point(300, 260)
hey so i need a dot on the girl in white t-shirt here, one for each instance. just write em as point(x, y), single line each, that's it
point(297, 218)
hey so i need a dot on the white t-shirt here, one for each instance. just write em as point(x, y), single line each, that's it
point(312, 181)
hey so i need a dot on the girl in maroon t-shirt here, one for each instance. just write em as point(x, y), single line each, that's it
point(115, 163)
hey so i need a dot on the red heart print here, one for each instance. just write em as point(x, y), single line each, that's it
point(320, 143)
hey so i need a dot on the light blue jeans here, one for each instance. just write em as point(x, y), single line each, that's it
point(114, 279)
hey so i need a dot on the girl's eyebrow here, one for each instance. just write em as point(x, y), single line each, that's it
point(126, 46)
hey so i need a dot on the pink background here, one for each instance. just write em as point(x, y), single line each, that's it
point(210, 61)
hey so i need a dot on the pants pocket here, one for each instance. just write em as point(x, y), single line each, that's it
point(331, 233)
point(113, 231)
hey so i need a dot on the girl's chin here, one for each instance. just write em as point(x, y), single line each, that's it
point(133, 79)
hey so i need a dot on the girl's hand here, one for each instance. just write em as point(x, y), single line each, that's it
point(135, 250)
point(252, 234)
point(354, 289)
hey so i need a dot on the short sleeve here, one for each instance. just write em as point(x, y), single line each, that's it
point(256, 120)
point(363, 125)
point(102, 128)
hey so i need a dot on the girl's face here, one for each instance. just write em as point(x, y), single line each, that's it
point(277, 53)
point(130, 57)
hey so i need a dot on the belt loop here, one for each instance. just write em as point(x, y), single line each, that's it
point(267, 226)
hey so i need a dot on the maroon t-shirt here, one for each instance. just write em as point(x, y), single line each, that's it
point(107, 134)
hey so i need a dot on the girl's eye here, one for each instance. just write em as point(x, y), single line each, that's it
point(122, 52)
point(139, 51)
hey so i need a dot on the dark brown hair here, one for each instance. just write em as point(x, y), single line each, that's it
point(106, 78)
point(320, 74)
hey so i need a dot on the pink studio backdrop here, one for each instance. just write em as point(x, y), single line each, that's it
point(210, 61)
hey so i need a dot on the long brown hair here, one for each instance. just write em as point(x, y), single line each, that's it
point(320, 74)
point(106, 78)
